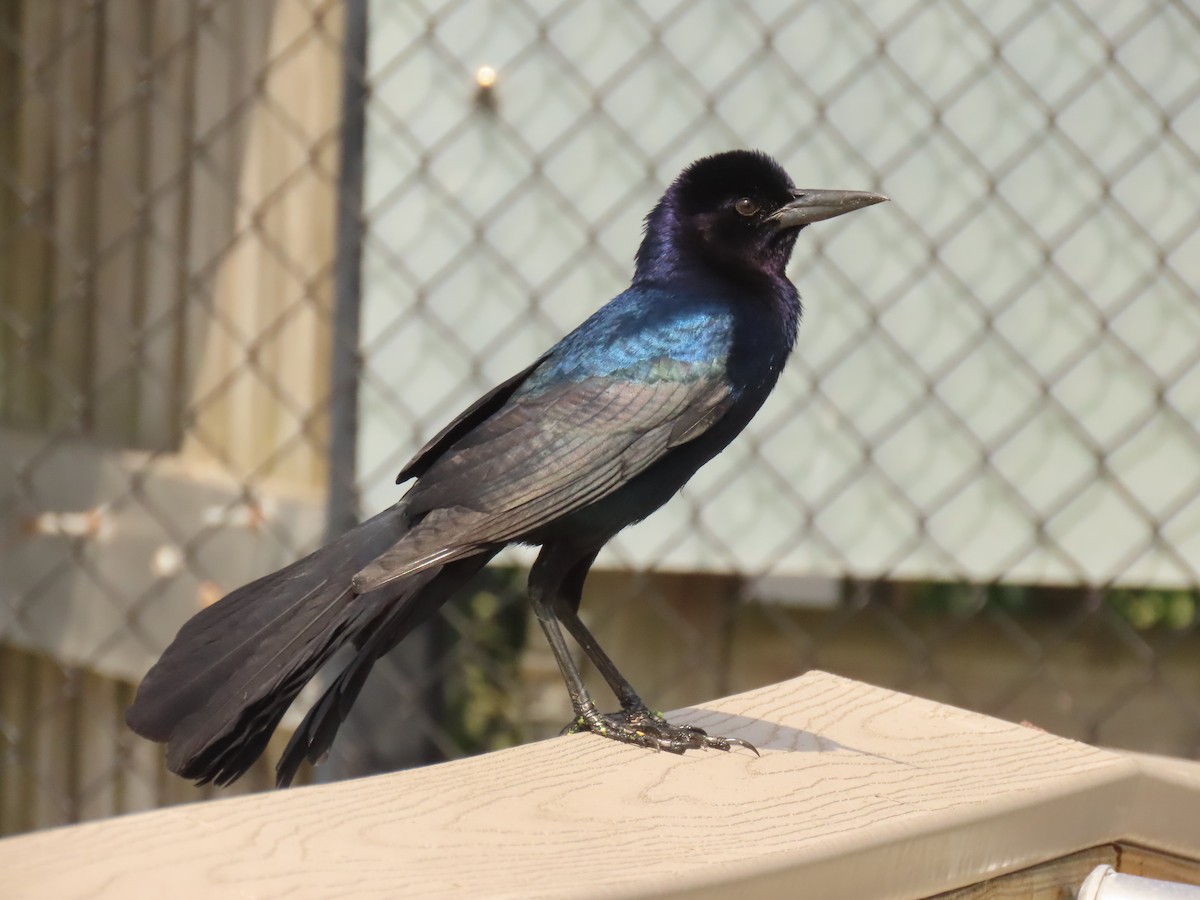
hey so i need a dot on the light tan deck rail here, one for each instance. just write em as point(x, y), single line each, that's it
point(860, 792)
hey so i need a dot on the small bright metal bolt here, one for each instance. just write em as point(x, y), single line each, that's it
point(485, 81)
point(485, 77)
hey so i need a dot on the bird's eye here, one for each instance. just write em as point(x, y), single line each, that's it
point(746, 206)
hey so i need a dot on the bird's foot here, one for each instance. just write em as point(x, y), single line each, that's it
point(647, 728)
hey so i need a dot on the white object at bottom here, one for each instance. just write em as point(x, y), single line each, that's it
point(1106, 883)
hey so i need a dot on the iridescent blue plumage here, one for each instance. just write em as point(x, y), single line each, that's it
point(644, 334)
point(709, 297)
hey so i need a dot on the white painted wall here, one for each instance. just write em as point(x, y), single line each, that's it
point(989, 384)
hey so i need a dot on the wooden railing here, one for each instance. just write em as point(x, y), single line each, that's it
point(859, 792)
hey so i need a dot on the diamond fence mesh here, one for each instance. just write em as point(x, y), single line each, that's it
point(979, 479)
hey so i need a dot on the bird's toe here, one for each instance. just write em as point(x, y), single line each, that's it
point(651, 730)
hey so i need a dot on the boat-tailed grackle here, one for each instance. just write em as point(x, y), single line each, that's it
point(596, 434)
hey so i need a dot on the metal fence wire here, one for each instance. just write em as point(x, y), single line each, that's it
point(253, 254)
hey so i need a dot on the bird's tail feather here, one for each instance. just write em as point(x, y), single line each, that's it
point(315, 735)
point(224, 683)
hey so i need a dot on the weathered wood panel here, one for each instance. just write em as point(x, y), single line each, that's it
point(66, 755)
point(262, 236)
point(27, 233)
point(166, 249)
point(167, 230)
point(167, 244)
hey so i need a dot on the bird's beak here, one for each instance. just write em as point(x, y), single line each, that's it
point(813, 205)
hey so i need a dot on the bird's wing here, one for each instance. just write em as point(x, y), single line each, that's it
point(477, 412)
point(542, 457)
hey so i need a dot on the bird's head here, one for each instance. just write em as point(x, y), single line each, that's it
point(738, 212)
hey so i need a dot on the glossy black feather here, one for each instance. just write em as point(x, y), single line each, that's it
point(219, 689)
point(539, 458)
point(463, 424)
point(597, 433)
point(315, 735)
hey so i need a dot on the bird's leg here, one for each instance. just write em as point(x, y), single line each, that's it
point(544, 580)
point(621, 688)
point(634, 710)
point(566, 610)
point(554, 592)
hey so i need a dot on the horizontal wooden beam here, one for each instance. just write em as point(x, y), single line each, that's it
point(859, 792)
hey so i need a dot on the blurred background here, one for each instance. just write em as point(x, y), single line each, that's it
point(252, 255)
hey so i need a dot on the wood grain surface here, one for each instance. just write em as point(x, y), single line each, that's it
point(859, 792)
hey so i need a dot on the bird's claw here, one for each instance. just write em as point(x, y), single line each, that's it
point(646, 728)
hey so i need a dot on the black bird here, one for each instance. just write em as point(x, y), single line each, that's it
point(596, 434)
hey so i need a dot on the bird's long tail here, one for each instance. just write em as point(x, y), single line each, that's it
point(314, 737)
point(222, 686)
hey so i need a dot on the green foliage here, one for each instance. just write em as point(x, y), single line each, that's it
point(962, 599)
point(481, 699)
point(1143, 610)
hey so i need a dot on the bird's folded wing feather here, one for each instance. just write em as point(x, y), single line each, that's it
point(477, 412)
point(541, 457)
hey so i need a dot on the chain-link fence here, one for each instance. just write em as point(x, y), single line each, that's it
point(979, 480)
